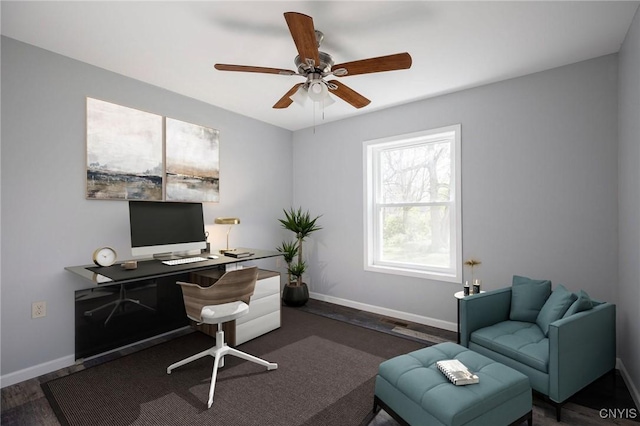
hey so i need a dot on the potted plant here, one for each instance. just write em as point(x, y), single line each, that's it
point(296, 293)
point(289, 251)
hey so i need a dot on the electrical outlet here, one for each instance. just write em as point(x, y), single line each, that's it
point(279, 262)
point(38, 309)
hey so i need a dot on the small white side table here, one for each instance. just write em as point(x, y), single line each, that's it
point(459, 295)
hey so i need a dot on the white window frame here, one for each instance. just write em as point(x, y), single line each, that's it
point(372, 220)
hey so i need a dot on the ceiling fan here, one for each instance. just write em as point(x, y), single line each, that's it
point(315, 66)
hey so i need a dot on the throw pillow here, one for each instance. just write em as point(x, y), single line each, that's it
point(527, 298)
point(555, 307)
point(584, 303)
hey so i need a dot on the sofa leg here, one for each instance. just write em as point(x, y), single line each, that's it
point(556, 405)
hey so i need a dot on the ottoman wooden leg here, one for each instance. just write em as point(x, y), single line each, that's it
point(528, 417)
point(377, 402)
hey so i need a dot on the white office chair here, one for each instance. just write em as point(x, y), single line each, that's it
point(224, 301)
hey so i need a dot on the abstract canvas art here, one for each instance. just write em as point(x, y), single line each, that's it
point(136, 155)
point(124, 153)
point(192, 168)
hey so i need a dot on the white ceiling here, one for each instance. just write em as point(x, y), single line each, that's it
point(454, 45)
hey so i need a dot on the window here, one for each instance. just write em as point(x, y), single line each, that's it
point(412, 204)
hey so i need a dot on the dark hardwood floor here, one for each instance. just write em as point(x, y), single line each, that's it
point(25, 404)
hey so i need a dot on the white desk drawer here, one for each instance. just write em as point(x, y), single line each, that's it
point(261, 307)
point(266, 287)
point(257, 327)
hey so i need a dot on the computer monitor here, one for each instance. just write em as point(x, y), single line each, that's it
point(166, 229)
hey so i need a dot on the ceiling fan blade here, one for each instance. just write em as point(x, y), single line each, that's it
point(399, 61)
point(304, 36)
point(246, 68)
point(285, 101)
point(349, 95)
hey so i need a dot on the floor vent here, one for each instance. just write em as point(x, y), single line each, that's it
point(394, 322)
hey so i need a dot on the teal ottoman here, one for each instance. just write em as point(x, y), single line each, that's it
point(414, 392)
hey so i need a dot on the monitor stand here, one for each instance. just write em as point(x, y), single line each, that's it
point(166, 256)
point(174, 255)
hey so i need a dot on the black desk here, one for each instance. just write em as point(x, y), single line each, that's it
point(126, 306)
point(153, 268)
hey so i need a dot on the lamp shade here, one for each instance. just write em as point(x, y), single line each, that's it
point(317, 90)
point(327, 101)
point(227, 220)
point(300, 96)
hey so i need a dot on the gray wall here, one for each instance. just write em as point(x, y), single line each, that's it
point(629, 205)
point(46, 222)
point(539, 189)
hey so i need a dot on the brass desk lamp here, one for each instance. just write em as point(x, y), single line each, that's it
point(227, 221)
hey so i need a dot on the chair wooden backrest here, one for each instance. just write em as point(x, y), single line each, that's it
point(231, 287)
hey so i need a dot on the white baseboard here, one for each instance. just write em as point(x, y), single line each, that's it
point(433, 322)
point(69, 360)
point(36, 370)
point(633, 389)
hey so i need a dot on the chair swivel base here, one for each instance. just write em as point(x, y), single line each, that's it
point(121, 301)
point(219, 351)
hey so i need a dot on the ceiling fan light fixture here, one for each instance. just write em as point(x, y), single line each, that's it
point(300, 96)
point(328, 101)
point(317, 90)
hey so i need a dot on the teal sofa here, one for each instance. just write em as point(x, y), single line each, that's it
point(560, 357)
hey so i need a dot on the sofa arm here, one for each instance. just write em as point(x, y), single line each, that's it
point(582, 348)
point(482, 310)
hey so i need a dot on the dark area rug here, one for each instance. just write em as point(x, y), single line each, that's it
point(325, 376)
point(326, 371)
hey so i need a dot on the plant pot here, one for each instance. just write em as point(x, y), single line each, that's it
point(294, 295)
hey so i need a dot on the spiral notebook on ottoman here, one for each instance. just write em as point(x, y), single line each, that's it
point(456, 372)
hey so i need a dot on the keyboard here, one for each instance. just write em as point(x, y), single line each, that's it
point(175, 262)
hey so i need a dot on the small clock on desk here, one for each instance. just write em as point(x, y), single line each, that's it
point(104, 256)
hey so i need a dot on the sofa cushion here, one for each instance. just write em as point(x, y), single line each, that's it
point(555, 307)
point(518, 340)
point(527, 298)
point(583, 303)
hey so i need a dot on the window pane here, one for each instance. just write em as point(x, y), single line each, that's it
point(417, 235)
point(420, 173)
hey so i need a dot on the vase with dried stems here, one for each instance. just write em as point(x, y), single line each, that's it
point(472, 263)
